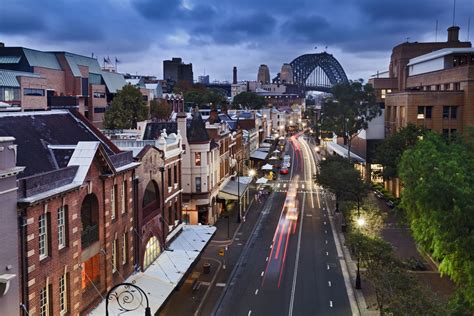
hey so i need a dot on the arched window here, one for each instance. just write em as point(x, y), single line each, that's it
point(152, 251)
point(151, 194)
point(89, 220)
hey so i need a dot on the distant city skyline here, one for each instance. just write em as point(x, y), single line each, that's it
point(216, 35)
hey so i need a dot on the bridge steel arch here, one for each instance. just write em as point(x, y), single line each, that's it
point(304, 65)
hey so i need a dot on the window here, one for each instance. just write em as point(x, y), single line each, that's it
point(62, 227)
point(170, 215)
point(383, 93)
point(197, 159)
point(454, 112)
point(43, 236)
point(169, 177)
point(446, 86)
point(9, 94)
point(33, 92)
point(90, 271)
point(445, 133)
point(428, 110)
point(198, 184)
point(44, 301)
point(176, 213)
point(112, 201)
point(124, 197)
point(63, 294)
point(457, 86)
point(114, 256)
point(124, 248)
point(175, 168)
point(99, 95)
point(446, 112)
point(424, 112)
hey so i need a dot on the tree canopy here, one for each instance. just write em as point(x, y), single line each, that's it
point(389, 152)
point(349, 110)
point(200, 94)
point(160, 109)
point(248, 100)
point(438, 198)
point(126, 110)
point(340, 177)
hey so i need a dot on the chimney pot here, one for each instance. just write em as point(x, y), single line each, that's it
point(453, 34)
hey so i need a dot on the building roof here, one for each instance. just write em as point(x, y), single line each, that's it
point(196, 131)
point(9, 78)
point(153, 129)
point(74, 61)
point(440, 53)
point(41, 59)
point(114, 81)
point(10, 59)
point(37, 133)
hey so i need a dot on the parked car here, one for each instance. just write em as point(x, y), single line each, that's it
point(284, 170)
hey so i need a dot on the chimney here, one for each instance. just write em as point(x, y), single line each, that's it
point(234, 78)
point(453, 34)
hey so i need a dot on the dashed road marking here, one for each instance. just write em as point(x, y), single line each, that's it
point(220, 284)
point(325, 231)
point(327, 253)
point(266, 260)
point(330, 303)
point(261, 274)
point(329, 283)
point(309, 215)
point(256, 291)
point(284, 185)
point(239, 244)
point(325, 223)
point(302, 186)
point(250, 313)
point(326, 242)
point(328, 266)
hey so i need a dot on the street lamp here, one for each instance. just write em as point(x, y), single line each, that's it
point(252, 173)
point(360, 223)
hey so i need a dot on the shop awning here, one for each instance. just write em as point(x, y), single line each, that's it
point(342, 151)
point(267, 167)
point(262, 180)
point(232, 190)
point(257, 154)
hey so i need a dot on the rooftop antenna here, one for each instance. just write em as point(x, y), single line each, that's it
point(454, 11)
point(468, 27)
point(436, 33)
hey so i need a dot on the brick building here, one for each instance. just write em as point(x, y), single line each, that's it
point(158, 193)
point(75, 198)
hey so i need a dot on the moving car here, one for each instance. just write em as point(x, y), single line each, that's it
point(292, 214)
point(284, 170)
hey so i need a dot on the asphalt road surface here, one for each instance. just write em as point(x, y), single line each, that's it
point(290, 265)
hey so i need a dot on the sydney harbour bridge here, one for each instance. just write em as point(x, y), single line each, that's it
point(308, 72)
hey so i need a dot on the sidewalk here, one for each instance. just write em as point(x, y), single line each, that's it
point(201, 301)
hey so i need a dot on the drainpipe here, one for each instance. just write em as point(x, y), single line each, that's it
point(162, 170)
point(24, 262)
point(104, 230)
point(137, 223)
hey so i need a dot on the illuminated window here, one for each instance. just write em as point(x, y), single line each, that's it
point(90, 271)
point(197, 159)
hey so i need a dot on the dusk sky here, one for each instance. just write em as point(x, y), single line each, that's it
point(216, 35)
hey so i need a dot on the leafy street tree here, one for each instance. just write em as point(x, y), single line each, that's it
point(373, 216)
point(248, 100)
point(438, 198)
point(160, 109)
point(397, 292)
point(390, 151)
point(349, 110)
point(199, 94)
point(126, 110)
point(338, 175)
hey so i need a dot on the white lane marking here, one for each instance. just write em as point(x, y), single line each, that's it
point(326, 242)
point(278, 185)
point(261, 274)
point(309, 215)
point(302, 186)
point(325, 223)
point(325, 231)
point(256, 291)
point(271, 246)
point(266, 260)
point(327, 266)
point(329, 283)
point(298, 247)
point(330, 303)
point(236, 238)
point(220, 284)
point(327, 253)
point(284, 185)
point(250, 313)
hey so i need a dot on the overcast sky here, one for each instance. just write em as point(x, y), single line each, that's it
point(216, 35)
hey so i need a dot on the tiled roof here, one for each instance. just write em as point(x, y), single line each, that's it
point(196, 131)
point(41, 59)
point(8, 78)
point(9, 59)
point(34, 131)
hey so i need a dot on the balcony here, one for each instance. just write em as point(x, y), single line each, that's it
point(90, 234)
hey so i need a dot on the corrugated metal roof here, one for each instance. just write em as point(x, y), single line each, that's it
point(113, 81)
point(440, 53)
point(9, 59)
point(41, 59)
point(75, 60)
point(8, 78)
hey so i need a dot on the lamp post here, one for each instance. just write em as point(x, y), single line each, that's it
point(360, 223)
point(129, 299)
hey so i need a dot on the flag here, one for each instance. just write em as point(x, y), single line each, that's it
point(108, 60)
point(117, 61)
point(105, 60)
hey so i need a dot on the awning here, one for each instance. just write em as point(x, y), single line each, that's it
point(267, 167)
point(167, 271)
point(229, 191)
point(262, 180)
point(257, 154)
point(276, 151)
point(342, 151)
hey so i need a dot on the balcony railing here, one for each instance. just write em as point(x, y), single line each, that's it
point(90, 234)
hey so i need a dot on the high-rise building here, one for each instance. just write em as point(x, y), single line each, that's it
point(175, 70)
point(263, 75)
point(286, 74)
point(203, 79)
point(234, 75)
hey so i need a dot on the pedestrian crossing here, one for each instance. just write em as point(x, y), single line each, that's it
point(300, 186)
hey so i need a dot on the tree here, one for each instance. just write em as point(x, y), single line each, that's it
point(349, 110)
point(438, 198)
point(126, 110)
point(248, 100)
point(160, 109)
point(373, 216)
point(199, 94)
point(338, 175)
point(390, 151)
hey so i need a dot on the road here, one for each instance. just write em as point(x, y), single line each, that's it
point(290, 266)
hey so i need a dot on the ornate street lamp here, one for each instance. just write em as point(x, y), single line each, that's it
point(360, 223)
point(130, 298)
